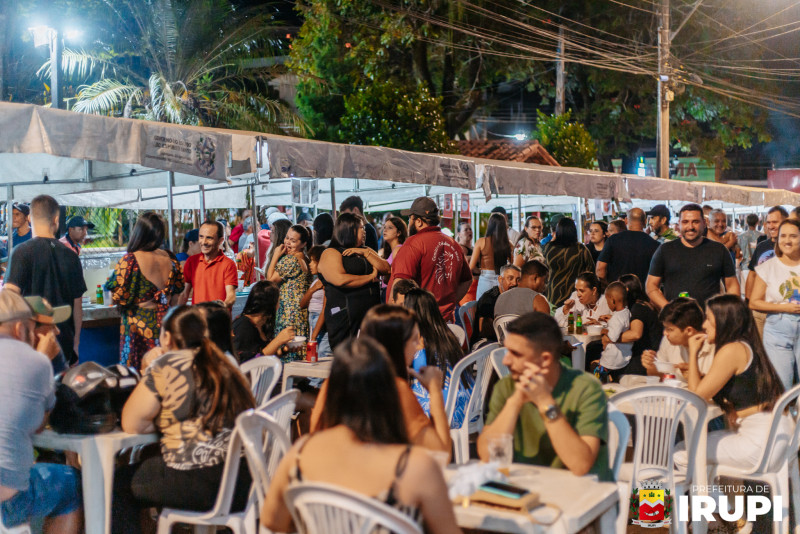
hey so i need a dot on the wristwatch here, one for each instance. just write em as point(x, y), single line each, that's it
point(552, 412)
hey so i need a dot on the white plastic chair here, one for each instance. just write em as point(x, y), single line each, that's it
point(265, 443)
point(263, 372)
point(281, 408)
point(220, 515)
point(459, 333)
point(500, 323)
point(658, 412)
point(467, 315)
point(24, 528)
point(618, 436)
point(772, 468)
point(473, 418)
point(496, 357)
point(319, 508)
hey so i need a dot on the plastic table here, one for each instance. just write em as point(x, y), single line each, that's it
point(320, 369)
point(569, 503)
point(97, 453)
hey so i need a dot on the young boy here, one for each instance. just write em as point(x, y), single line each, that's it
point(682, 318)
point(615, 355)
point(314, 300)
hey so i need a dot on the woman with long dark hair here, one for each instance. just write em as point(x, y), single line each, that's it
point(349, 272)
point(372, 450)
point(323, 229)
point(645, 331)
point(192, 396)
point(254, 330)
point(397, 330)
point(566, 258)
point(277, 236)
point(289, 267)
point(146, 281)
point(395, 232)
point(741, 380)
point(598, 233)
point(491, 253)
point(440, 349)
point(528, 247)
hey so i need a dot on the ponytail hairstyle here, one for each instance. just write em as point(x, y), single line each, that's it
point(441, 345)
point(497, 232)
point(225, 389)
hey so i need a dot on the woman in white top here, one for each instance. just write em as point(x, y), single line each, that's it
point(586, 301)
point(777, 293)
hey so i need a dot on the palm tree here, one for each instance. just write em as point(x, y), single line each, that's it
point(197, 62)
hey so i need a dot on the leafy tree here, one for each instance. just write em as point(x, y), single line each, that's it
point(568, 142)
point(390, 115)
point(182, 61)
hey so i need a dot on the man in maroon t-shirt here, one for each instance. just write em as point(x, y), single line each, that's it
point(430, 258)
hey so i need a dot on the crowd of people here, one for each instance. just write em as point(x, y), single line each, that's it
point(383, 305)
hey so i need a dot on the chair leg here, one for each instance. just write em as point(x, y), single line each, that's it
point(164, 525)
point(779, 485)
point(794, 488)
point(624, 491)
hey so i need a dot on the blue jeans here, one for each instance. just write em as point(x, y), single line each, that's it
point(323, 347)
point(54, 490)
point(782, 343)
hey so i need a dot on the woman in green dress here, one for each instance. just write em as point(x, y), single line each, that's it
point(289, 268)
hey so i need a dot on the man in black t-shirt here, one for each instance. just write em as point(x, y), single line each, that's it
point(629, 251)
point(483, 324)
point(691, 264)
point(45, 267)
point(354, 204)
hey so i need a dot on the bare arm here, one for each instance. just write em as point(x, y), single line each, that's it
point(601, 270)
point(378, 263)
point(275, 515)
point(77, 319)
point(316, 286)
point(140, 411)
point(519, 260)
point(634, 333)
point(476, 255)
point(273, 276)
point(183, 298)
point(425, 480)
point(732, 286)
point(437, 438)
point(540, 304)
point(653, 288)
point(504, 423)
point(462, 289)
point(230, 296)
point(749, 283)
point(332, 269)
point(758, 302)
point(724, 365)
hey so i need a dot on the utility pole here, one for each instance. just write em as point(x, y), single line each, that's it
point(665, 94)
point(560, 73)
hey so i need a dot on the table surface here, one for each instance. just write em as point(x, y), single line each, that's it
point(320, 369)
point(567, 501)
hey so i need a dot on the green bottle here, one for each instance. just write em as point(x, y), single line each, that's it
point(99, 294)
point(579, 324)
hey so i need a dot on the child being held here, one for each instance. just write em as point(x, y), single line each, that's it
point(615, 355)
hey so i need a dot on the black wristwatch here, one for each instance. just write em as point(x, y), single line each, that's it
point(551, 412)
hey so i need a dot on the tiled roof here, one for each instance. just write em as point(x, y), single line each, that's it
point(522, 151)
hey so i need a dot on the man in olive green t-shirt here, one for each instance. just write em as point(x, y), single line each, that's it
point(557, 415)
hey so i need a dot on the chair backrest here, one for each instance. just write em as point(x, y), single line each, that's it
point(230, 472)
point(281, 408)
point(619, 432)
point(658, 412)
point(467, 315)
point(263, 373)
point(459, 333)
point(265, 443)
point(500, 323)
point(496, 357)
point(786, 405)
point(476, 360)
point(327, 509)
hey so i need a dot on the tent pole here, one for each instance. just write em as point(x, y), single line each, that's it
point(9, 220)
point(170, 217)
point(256, 226)
point(202, 203)
point(333, 198)
point(521, 219)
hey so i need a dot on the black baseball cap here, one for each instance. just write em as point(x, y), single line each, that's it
point(78, 221)
point(422, 207)
point(659, 210)
point(192, 236)
point(22, 208)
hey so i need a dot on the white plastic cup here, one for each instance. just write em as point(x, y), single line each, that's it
point(501, 450)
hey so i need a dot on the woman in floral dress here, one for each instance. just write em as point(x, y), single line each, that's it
point(145, 283)
point(528, 247)
point(289, 268)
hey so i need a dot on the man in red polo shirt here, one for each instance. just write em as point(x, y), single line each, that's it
point(211, 274)
point(430, 258)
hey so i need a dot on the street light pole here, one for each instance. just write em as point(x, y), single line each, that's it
point(55, 70)
point(665, 94)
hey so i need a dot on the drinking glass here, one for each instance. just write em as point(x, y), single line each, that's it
point(501, 450)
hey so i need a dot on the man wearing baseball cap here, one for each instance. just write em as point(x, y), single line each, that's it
point(30, 490)
point(20, 223)
point(47, 318)
point(77, 228)
point(658, 221)
point(430, 258)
